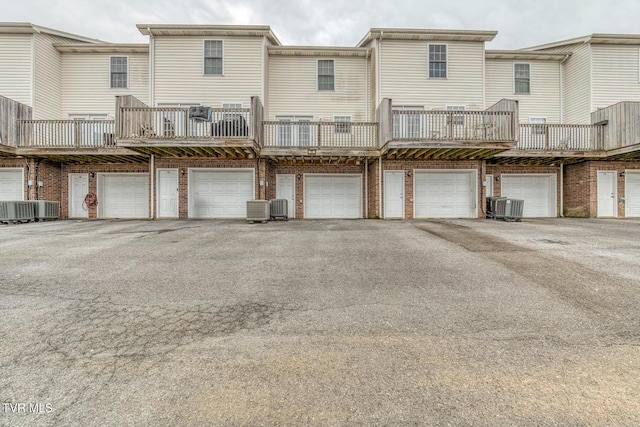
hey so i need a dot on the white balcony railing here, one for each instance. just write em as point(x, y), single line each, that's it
point(472, 126)
point(559, 137)
point(308, 134)
point(66, 133)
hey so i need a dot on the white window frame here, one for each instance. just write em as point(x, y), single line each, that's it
point(170, 129)
point(333, 86)
point(458, 120)
point(295, 135)
point(535, 130)
point(411, 123)
point(343, 124)
point(204, 57)
point(446, 61)
point(515, 92)
point(111, 72)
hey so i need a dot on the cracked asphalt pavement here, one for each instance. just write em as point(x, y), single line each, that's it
point(172, 323)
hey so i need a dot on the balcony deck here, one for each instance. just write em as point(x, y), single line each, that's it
point(226, 132)
point(319, 140)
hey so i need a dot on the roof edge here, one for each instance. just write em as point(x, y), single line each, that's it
point(148, 29)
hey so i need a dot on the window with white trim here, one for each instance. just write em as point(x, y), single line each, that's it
point(170, 123)
point(438, 61)
point(118, 69)
point(538, 127)
point(458, 119)
point(407, 123)
point(326, 74)
point(521, 78)
point(343, 124)
point(213, 57)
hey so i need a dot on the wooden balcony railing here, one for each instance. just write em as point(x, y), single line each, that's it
point(174, 124)
point(472, 126)
point(66, 133)
point(558, 137)
point(308, 134)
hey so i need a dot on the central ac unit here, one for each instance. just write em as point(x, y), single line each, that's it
point(46, 209)
point(258, 210)
point(279, 208)
point(17, 212)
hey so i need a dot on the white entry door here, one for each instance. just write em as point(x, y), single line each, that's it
point(78, 189)
point(607, 194)
point(394, 194)
point(167, 193)
point(286, 189)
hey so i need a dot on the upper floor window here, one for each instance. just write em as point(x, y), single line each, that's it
point(119, 70)
point(438, 60)
point(457, 119)
point(326, 74)
point(521, 78)
point(213, 57)
point(538, 127)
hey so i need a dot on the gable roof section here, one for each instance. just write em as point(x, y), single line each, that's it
point(428, 35)
point(28, 28)
point(209, 31)
point(526, 55)
point(596, 38)
point(102, 47)
point(319, 51)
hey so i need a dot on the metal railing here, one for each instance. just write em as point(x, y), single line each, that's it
point(308, 134)
point(434, 125)
point(560, 137)
point(174, 123)
point(66, 133)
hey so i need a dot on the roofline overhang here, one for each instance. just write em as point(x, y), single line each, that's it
point(102, 48)
point(526, 55)
point(424, 34)
point(29, 28)
point(208, 30)
point(319, 51)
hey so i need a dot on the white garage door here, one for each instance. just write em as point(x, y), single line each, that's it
point(11, 184)
point(220, 193)
point(632, 194)
point(537, 191)
point(124, 195)
point(445, 194)
point(333, 196)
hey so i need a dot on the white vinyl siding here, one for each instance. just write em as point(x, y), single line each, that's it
point(615, 75)
point(48, 74)
point(86, 82)
point(405, 79)
point(15, 67)
point(179, 70)
point(576, 83)
point(542, 101)
point(293, 88)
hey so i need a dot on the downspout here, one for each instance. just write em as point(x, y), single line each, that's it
point(26, 162)
point(259, 186)
point(566, 57)
point(151, 177)
point(37, 176)
point(380, 186)
point(561, 190)
point(366, 188)
point(379, 70)
point(152, 59)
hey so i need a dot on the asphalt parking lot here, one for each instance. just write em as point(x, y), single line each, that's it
point(320, 323)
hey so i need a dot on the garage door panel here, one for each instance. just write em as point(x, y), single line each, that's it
point(11, 184)
point(537, 191)
point(444, 194)
point(221, 194)
point(125, 196)
point(333, 196)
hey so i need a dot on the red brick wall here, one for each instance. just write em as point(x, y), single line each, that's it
point(411, 165)
point(299, 169)
point(49, 173)
point(373, 188)
point(577, 191)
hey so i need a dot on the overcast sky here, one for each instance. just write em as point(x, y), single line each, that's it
point(520, 23)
